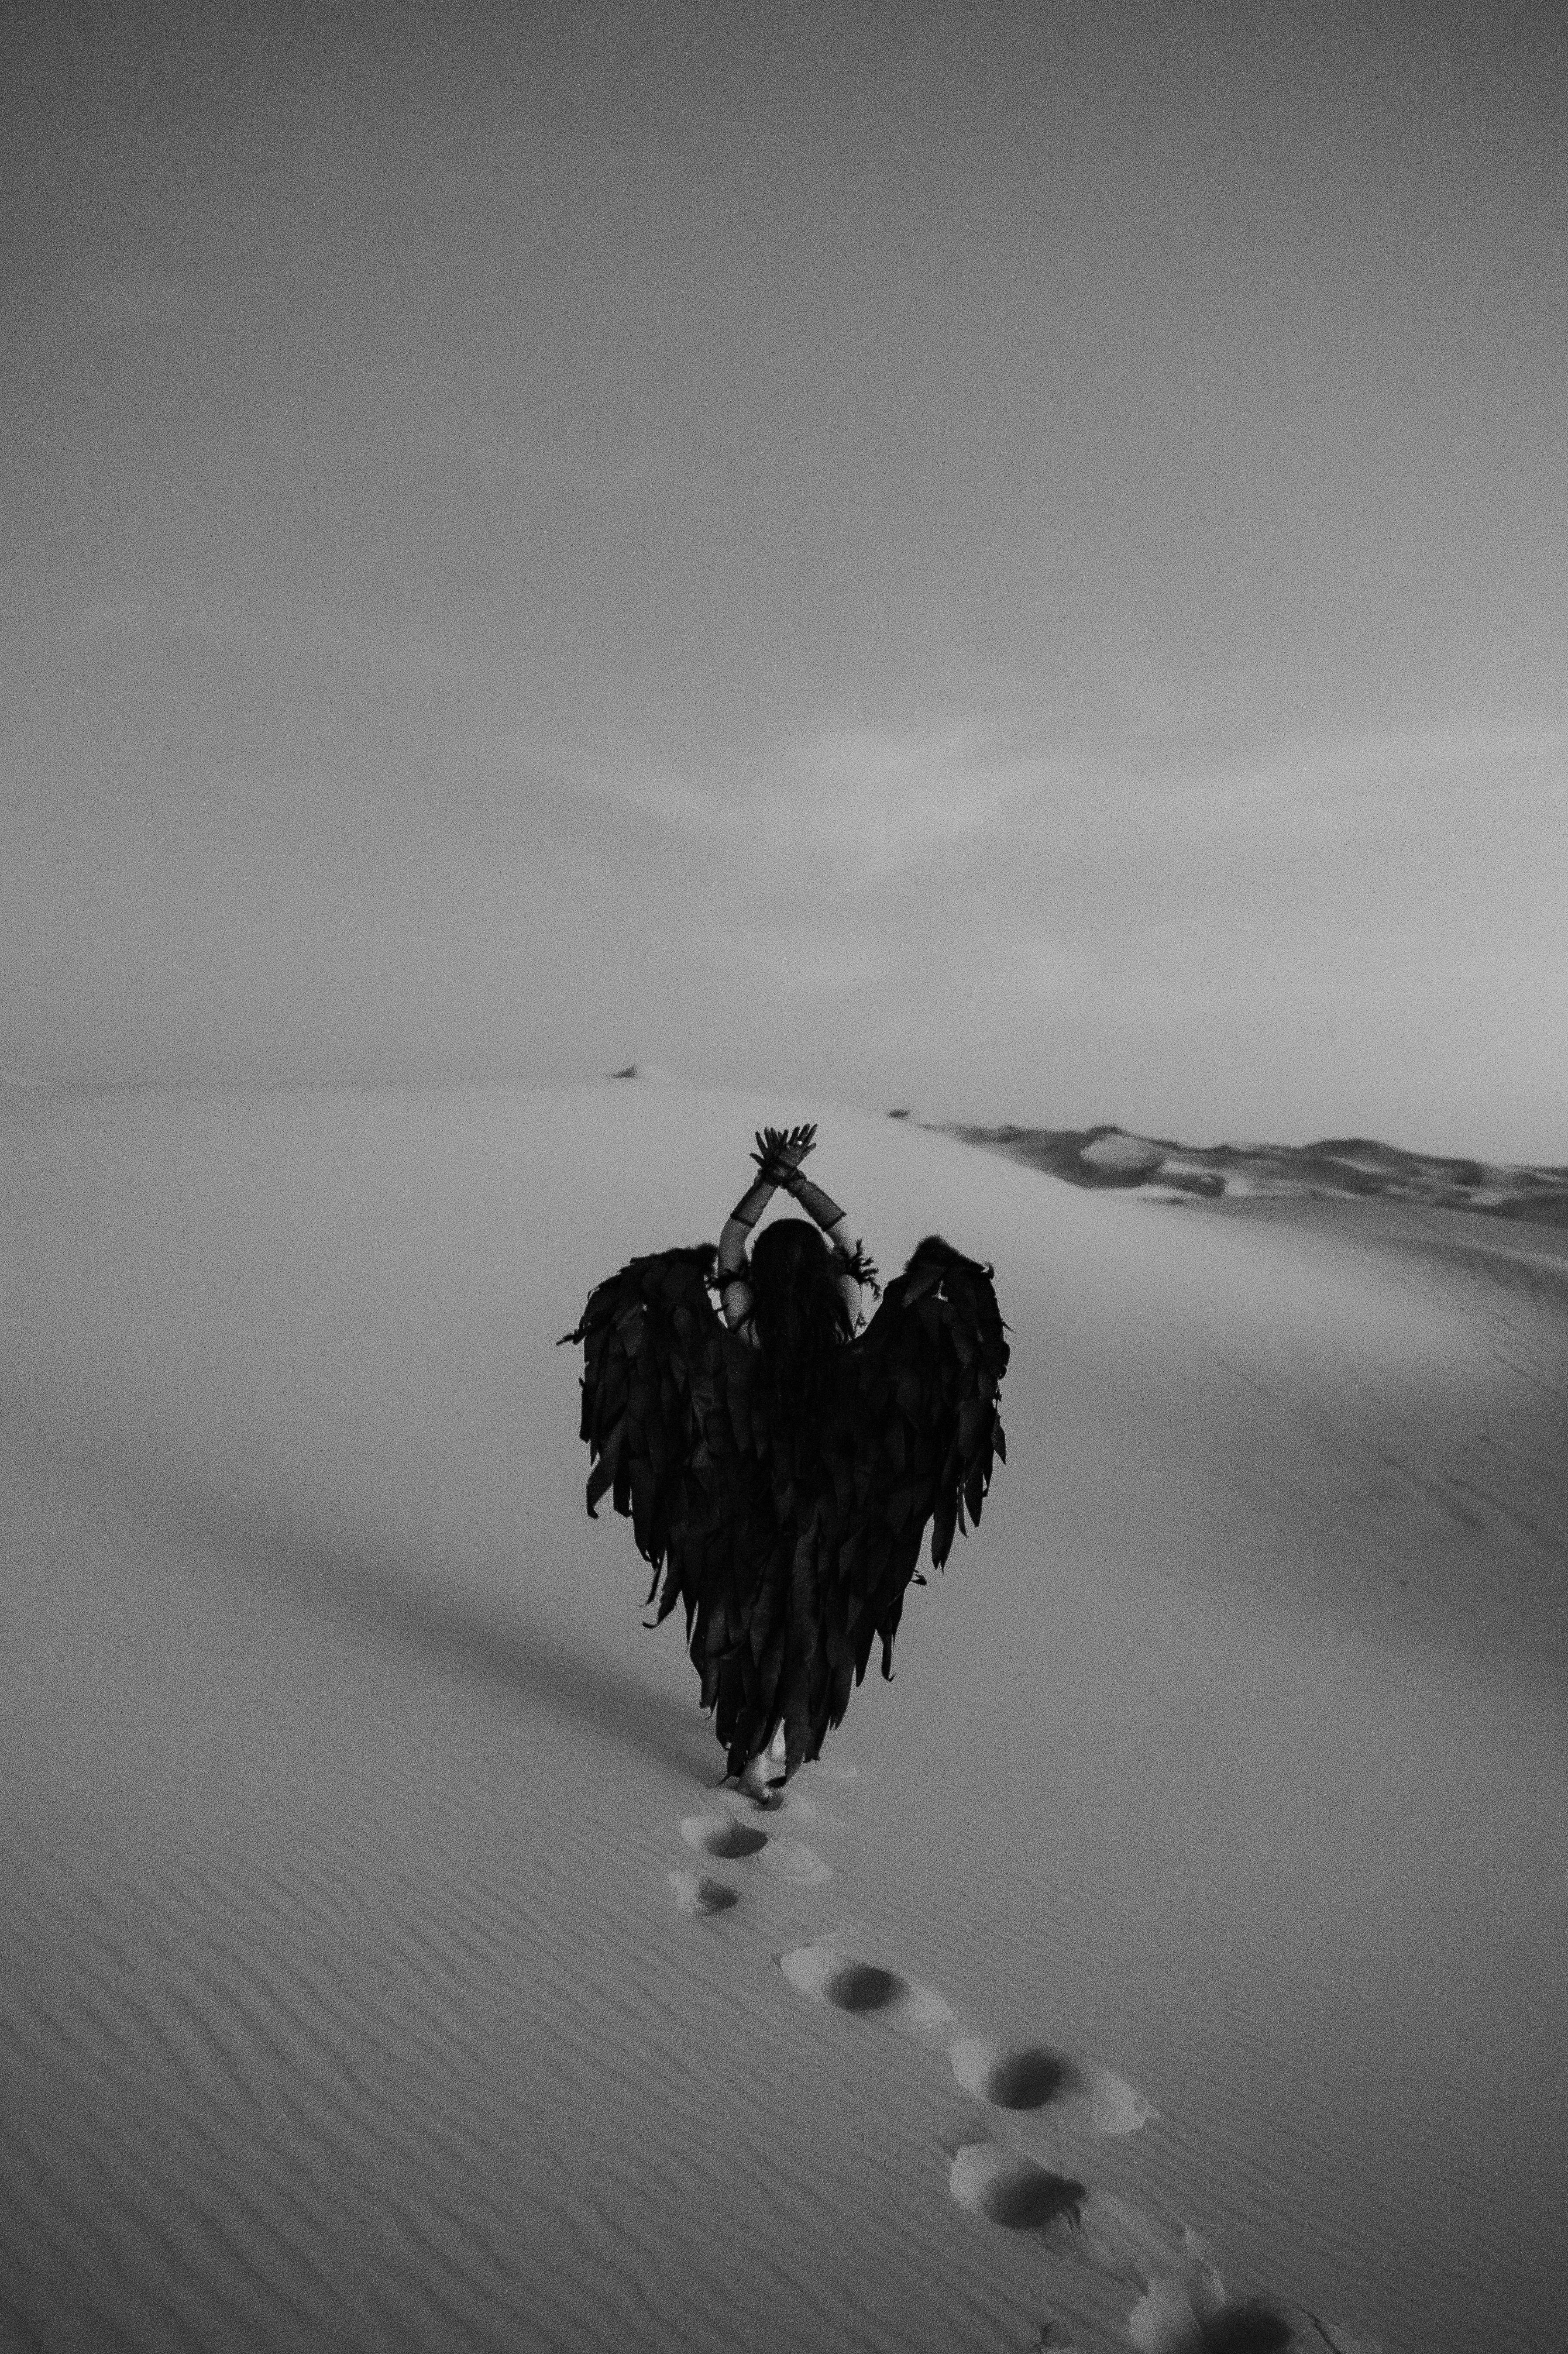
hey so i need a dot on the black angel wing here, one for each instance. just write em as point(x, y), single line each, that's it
point(915, 1443)
point(789, 1537)
point(656, 1401)
point(678, 1438)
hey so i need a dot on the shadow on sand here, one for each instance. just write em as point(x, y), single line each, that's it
point(429, 1611)
point(341, 1575)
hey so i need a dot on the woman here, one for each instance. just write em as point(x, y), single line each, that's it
point(779, 1470)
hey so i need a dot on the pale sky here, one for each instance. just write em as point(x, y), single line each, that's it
point(1008, 559)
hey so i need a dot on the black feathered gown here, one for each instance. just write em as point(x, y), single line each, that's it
point(790, 1535)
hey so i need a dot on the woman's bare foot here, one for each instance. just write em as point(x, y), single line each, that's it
point(767, 1772)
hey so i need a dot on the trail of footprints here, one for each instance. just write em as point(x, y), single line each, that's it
point(1183, 2307)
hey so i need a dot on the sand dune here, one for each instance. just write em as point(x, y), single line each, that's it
point(1336, 1169)
point(1169, 1957)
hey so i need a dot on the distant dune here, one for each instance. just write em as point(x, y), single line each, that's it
point(1172, 1958)
point(1337, 1169)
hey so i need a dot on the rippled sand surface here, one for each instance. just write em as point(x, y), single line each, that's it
point(1169, 1957)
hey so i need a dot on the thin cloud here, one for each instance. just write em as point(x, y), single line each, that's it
point(866, 806)
point(1334, 789)
point(621, 780)
point(803, 961)
point(878, 801)
point(845, 808)
point(1389, 767)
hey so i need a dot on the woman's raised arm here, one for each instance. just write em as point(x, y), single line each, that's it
point(777, 1159)
point(738, 1224)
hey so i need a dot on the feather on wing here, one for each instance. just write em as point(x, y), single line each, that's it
point(655, 1416)
point(679, 1440)
point(916, 1439)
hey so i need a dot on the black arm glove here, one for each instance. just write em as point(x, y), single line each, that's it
point(779, 1154)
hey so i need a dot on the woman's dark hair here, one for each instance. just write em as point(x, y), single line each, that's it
point(801, 1315)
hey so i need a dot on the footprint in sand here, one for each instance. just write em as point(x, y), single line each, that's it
point(783, 1858)
point(1183, 2307)
point(825, 1974)
point(791, 1859)
point(1026, 2077)
point(1035, 2076)
point(1004, 2186)
point(696, 1894)
point(1188, 2312)
point(722, 1835)
point(1011, 2189)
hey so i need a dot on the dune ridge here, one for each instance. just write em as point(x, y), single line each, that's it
point(1333, 1169)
